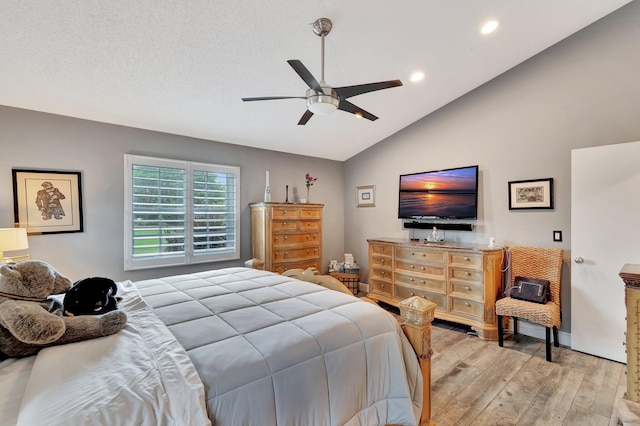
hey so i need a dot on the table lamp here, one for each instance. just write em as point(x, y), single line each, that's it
point(12, 239)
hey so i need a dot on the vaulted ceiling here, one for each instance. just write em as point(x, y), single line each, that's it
point(182, 66)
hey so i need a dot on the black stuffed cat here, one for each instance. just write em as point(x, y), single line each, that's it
point(91, 296)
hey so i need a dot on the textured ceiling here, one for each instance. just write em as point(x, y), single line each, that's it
point(182, 66)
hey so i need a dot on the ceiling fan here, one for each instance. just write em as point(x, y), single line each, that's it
point(323, 99)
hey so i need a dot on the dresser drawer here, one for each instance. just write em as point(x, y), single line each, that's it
point(469, 275)
point(404, 293)
point(285, 239)
point(419, 254)
point(422, 268)
point(379, 273)
point(285, 213)
point(310, 214)
point(381, 249)
point(309, 225)
point(284, 225)
point(294, 254)
point(423, 283)
point(468, 290)
point(281, 267)
point(383, 261)
point(466, 260)
point(380, 287)
point(467, 308)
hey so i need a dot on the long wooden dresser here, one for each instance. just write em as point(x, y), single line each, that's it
point(464, 281)
point(287, 236)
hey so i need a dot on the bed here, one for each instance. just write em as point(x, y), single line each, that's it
point(235, 346)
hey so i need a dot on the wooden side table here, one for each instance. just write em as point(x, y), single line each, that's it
point(351, 280)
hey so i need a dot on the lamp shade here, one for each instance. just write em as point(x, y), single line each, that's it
point(13, 239)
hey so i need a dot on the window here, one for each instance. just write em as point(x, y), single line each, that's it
point(179, 212)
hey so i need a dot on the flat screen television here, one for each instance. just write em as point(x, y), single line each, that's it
point(439, 194)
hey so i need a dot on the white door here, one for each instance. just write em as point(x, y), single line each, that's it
point(605, 235)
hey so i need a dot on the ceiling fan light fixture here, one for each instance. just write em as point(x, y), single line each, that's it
point(322, 104)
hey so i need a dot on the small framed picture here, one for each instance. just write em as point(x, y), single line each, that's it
point(366, 196)
point(531, 194)
point(47, 202)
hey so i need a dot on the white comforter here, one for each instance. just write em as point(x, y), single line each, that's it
point(139, 376)
point(273, 350)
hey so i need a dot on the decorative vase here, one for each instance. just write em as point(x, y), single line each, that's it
point(308, 201)
point(267, 190)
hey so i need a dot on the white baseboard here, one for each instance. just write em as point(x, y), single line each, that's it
point(364, 287)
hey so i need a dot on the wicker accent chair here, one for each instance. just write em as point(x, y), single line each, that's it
point(534, 262)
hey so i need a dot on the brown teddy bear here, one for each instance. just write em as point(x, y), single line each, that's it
point(26, 325)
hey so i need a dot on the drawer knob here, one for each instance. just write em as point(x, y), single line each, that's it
point(413, 253)
point(285, 237)
point(412, 293)
point(286, 253)
point(467, 304)
point(422, 267)
point(467, 273)
point(413, 267)
point(381, 285)
point(422, 281)
point(382, 273)
point(276, 238)
point(284, 212)
point(284, 223)
point(411, 279)
point(382, 261)
point(466, 258)
point(424, 254)
point(467, 288)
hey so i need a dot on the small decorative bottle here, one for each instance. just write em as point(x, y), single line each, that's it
point(267, 190)
point(434, 234)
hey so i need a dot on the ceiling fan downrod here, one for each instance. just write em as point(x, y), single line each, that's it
point(322, 27)
point(327, 101)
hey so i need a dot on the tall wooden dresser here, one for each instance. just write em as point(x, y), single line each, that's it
point(464, 281)
point(287, 236)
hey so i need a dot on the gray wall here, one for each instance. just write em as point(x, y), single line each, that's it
point(32, 140)
point(582, 92)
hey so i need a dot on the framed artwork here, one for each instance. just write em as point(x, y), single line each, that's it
point(47, 202)
point(531, 194)
point(366, 196)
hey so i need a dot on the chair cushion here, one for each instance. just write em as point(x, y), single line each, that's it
point(547, 314)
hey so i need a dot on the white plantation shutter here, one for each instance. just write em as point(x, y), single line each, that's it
point(179, 212)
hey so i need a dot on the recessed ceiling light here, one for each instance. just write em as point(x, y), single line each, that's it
point(417, 76)
point(489, 27)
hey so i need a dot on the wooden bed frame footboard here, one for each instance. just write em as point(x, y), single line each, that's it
point(416, 316)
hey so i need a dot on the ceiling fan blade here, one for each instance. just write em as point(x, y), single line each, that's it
point(272, 98)
point(305, 117)
point(349, 107)
point(304, 74)
point(349, 91)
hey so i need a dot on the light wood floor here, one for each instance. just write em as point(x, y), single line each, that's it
point(478, 383)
